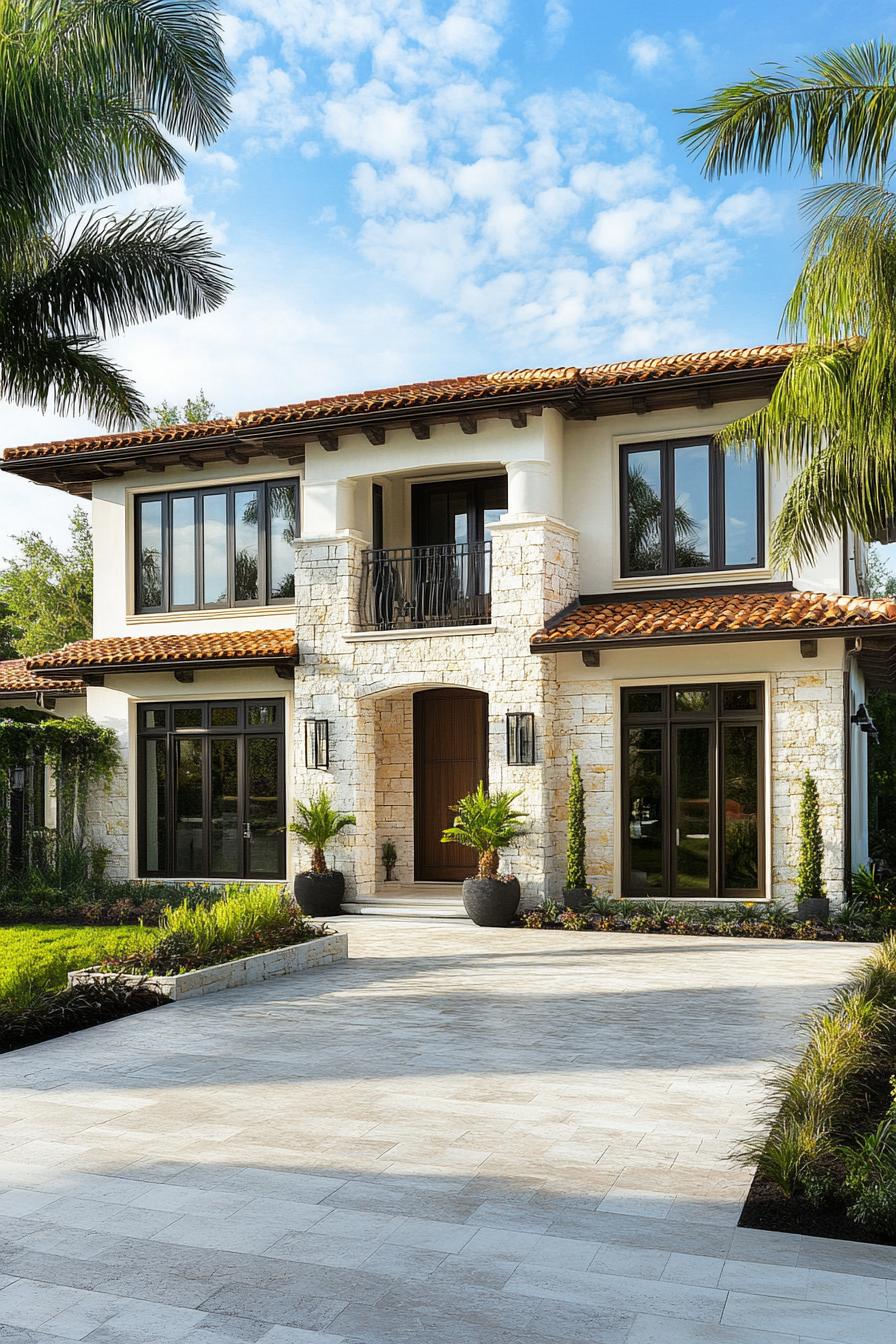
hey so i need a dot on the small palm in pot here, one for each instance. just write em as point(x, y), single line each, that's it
point(488, 823)
point(320, 890)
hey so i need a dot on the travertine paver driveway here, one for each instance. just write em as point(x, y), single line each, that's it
point(460, 1137)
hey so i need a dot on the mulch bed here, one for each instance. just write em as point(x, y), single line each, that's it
point(771, 1211)
point(74, 1009)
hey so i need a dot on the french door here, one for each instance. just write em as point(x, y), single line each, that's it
point(692, 786)
point(212, 797)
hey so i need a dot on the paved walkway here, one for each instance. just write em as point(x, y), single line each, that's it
point(459, 1137)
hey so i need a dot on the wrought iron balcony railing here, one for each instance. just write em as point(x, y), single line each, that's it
point(418, 587)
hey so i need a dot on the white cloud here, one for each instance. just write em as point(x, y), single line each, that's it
point(647, 51)
point(625, 231)
point(239, 36)
point(372, 121)
point(265, 107)
point(756, 211)
point(557, 20)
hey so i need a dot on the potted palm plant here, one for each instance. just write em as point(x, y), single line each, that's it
point(319, 890)
point(488, 823)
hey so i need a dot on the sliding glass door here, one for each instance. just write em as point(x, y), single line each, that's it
point(692, 785)
point(212, 789)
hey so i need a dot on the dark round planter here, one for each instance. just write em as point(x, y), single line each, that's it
point(319, 894)
point(490, 902)
point(815, 907)
point(577, 898)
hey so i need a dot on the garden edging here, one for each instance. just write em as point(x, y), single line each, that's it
point(231, 974)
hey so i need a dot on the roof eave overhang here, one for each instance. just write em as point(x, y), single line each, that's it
point(608, 643)
point(168, 665)
point(575, 400)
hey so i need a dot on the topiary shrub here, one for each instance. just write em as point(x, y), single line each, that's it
point(576, 879)
point(809, 882)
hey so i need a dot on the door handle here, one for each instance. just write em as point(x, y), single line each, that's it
point(247, 831)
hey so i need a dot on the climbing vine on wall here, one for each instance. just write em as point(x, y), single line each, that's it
point(76, 752)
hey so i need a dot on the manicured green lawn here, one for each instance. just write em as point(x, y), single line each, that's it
point(35, 957)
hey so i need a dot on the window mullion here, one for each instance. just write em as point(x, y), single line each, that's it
point(667, 509)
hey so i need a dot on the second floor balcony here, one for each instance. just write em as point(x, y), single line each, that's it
point(426, 587)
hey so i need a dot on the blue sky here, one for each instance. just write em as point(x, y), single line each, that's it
point(420, 188)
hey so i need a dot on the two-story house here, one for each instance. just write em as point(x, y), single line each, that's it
point(398, 593)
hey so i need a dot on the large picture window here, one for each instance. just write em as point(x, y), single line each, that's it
point(211, 789)
point(226, 546)
point(692, 783)
point(688, 506)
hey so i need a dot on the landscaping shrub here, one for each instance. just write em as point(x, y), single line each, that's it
point(809, 881)
point(29, 900)
point(830, 1136)
point(576, 877)
point(47, 1015)
point(244, 922)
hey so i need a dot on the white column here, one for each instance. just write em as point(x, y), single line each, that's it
point(328, 508)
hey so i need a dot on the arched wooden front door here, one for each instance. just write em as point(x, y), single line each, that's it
point(450, 758)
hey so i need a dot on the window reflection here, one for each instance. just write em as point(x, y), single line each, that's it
point(741, 510)
point(150, 578)
point(645, 531)
point(692, 507)
point(214, 549)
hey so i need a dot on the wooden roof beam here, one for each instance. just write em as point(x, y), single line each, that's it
point(420, 429)
point(468, 423)
point(375, 435)
point(328, 441)
point(191, 463)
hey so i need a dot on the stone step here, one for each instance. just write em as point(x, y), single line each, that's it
point(406, 908)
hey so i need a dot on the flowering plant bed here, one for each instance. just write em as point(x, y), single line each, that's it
point(743, 920)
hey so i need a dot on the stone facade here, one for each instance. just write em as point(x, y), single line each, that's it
point(363, 684)
point(108, 821)
point(807, 734)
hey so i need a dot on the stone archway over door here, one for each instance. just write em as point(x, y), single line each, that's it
point(450, 758)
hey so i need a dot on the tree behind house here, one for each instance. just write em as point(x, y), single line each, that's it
point(48, 591)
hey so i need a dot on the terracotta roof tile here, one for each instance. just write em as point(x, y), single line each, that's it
point(436, 392)
point(148, 650)
point(630, 620)
point(15, 679)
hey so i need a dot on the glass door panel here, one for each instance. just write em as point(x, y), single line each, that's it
point(225, 831)
point(188, 812)
point(644, 809)
point(155, 793)
point(264, 806)
point(692, 839)
point(740, 794)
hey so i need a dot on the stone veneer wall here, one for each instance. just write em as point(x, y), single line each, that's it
point(807, 734)
point(394, 782)
point(535, 574)
point(108, 821)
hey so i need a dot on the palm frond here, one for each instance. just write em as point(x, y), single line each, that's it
point(71, 372)
point(104, 274)
point(838, 108)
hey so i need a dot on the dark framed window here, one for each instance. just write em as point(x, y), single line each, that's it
point(693, 811)
point(212, 789)
point(223, 546)
point(687, 506)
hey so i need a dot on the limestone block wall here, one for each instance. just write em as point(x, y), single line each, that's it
point(108, 820)
point(345, 677)
point(394, 782)
point(585, 726)
point(807, 734)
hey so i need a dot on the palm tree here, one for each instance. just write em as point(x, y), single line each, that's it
point(833, 412)
point(92, 93)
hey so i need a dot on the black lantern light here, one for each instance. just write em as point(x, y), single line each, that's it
point(317, 744)
point(521, 739)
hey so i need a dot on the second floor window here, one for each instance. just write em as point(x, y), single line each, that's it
point(687, 506)
point(225, 546)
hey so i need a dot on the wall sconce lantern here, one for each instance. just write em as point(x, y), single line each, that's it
point(317, 744)
point(520, 739)
point(863, 720)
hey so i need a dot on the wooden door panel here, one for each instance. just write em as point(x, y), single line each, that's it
point(450, 758)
